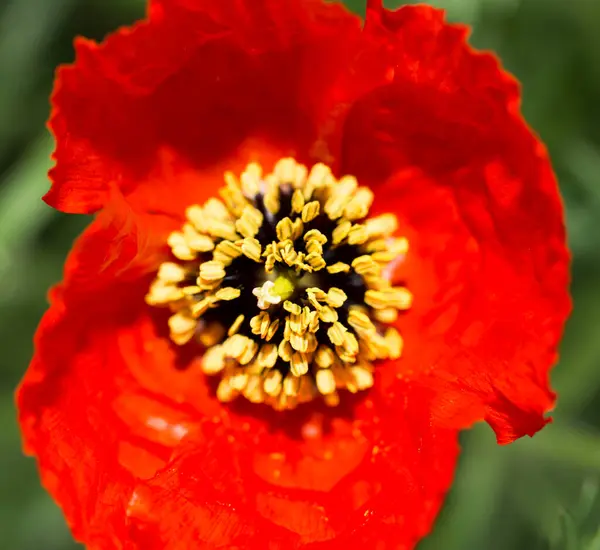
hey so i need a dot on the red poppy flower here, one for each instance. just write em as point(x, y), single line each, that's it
point(274, 369)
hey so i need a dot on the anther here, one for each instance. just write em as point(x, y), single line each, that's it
point(284, 279)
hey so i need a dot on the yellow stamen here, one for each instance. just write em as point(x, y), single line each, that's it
point(182, 328)
point(228, 293)
point(310, 211)
point(250, 180)
point(180, 247)
point(267, 357)
point(200, 308)
point(299, 364)
point(249, 223)
point(292, 307)
point(272, 383)
point(212, 271)
point(336, 333)
point(251, 248)
point(338, 267)
point(324, 357)
point(274, 300)
point(197, 241)
point(170, 272)
point(211, 334)
point(236, 325)
point(325, 381)
point(315, 235)
point(273, 327)
point(213, 361)
point(336, 297)
point(399, 298)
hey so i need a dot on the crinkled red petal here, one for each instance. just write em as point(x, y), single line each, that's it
point(134, 446)
point(145, 125)
point(338, 483)
point(212, 84)
point(445, 146)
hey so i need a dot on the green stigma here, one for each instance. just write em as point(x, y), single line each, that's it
point(284, 287)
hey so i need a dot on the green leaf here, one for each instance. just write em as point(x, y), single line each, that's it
point(22, 213)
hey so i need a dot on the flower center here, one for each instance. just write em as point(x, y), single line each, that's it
point(284, 281)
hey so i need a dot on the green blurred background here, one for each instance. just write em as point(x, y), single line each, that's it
point(541, 493)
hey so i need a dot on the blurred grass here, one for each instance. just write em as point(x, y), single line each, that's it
point(538, 494)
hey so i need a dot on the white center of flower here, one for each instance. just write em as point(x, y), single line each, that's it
point(273, 292)
point(265, 296)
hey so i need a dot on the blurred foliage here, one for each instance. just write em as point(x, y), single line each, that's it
point(541, 493)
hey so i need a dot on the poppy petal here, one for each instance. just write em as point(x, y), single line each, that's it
point(209, 85)
point(253, 489)
point(115, 415)
point(445, 144)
